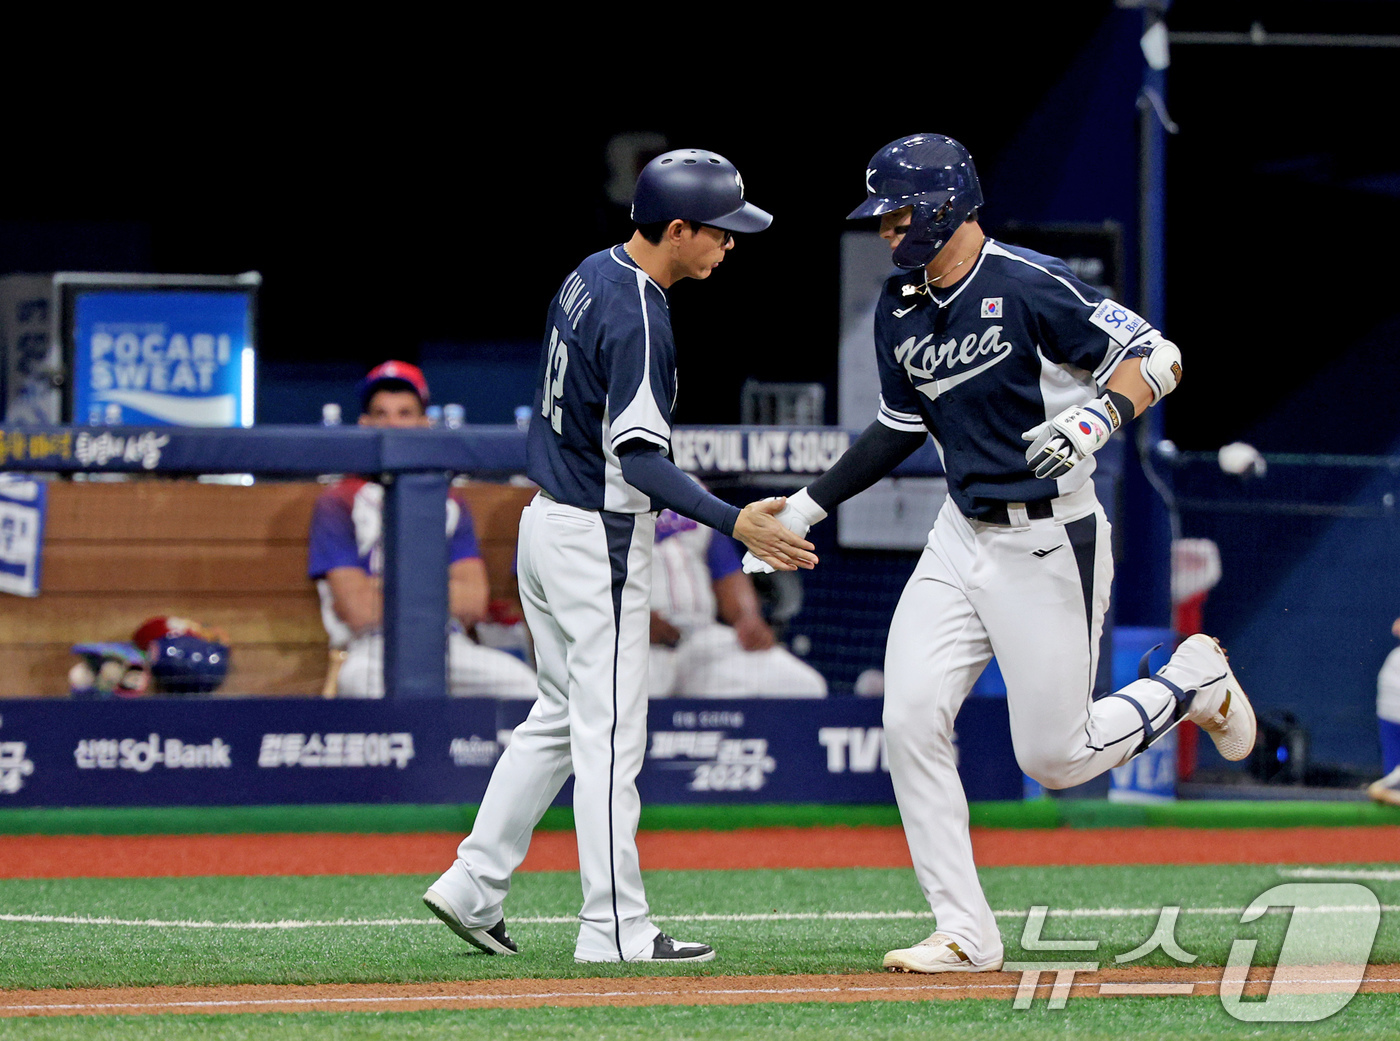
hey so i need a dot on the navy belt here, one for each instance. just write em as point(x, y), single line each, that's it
point(996, 512)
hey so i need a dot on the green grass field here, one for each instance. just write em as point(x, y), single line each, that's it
point(123, 932)
point(1370, 1016)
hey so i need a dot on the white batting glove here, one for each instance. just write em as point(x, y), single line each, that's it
point(1057, 445)
point(798, 516)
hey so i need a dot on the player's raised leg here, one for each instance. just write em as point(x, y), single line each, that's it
point(937, 648)
point(1044, 604)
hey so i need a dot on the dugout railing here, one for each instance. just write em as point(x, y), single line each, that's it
point(416, 468)
point(417, 744)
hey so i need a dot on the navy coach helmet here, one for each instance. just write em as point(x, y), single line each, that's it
point(692, 184)
point(932, 173)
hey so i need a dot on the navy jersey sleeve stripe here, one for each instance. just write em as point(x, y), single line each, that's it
point(606, 377)
point(635, 378)
point(906, 421)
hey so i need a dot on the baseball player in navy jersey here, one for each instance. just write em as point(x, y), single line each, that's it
point(1020, 372)
point(598, 447)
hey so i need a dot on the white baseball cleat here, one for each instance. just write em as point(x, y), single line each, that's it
point(1387, 789)
point(1218, 705)
point(939, 953)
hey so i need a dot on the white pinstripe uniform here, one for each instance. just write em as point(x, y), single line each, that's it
point(608, 377)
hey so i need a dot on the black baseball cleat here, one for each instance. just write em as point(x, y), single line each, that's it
point(493, 940)
point(666, 948)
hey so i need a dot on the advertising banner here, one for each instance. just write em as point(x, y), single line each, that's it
point(163, 357)
point(22, 508)
point(32, 358)
point(173, 752)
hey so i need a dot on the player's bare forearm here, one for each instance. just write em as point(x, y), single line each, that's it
point(738, 606)
point(759, 530)
point(663, 632)
point(357, 598)
point(754, 633)
point(735, 597)
point(468, 590)
point(1127, 380)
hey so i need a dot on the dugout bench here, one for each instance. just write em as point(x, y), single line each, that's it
point(415, 465)
point(227, 556)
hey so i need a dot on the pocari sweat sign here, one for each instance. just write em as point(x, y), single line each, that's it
point(163, 357)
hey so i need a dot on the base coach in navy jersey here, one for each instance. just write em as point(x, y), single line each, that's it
point(598, 446)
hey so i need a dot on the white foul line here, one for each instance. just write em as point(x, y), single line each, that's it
point(794, 916)
point(1318, 872)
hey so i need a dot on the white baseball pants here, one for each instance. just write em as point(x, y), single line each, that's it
point(1034, 594)
point(710, 662)
point(473, 671)
point(585, 586)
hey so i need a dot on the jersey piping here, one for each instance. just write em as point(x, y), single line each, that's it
point(641, 418)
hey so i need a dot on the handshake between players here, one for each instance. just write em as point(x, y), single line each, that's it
point(772, 537)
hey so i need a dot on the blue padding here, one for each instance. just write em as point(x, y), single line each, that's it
point(415, 586)
point(1390, 745)
point(249, 751)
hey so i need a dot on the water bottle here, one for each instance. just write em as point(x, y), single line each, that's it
point(453, 416)
point(522, 417)
point(434, 414)
point(330, 414)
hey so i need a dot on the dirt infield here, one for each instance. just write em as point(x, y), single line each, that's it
point(134, 856)
point(677, 990)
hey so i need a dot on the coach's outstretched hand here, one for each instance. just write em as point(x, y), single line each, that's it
point(759, 529)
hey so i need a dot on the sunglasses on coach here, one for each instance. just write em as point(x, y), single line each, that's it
point(727, 236)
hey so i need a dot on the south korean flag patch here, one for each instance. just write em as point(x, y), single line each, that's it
point(991, 307)
point(1116, 320)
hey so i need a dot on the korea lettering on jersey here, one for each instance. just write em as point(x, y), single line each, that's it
point(1014, 343)
point(607, 376)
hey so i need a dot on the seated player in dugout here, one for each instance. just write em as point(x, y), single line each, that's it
point(709, 638)
point(347, 560)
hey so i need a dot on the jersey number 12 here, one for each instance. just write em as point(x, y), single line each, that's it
point(554, 368)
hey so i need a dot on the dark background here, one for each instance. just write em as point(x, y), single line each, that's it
point(400, 185)
point(417, 186)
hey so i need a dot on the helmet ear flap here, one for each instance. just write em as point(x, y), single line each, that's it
point(928, 233)
point(933, 222)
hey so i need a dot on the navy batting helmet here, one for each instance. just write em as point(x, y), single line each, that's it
point(188, 664)
point(933, 174)
point(692, 184)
